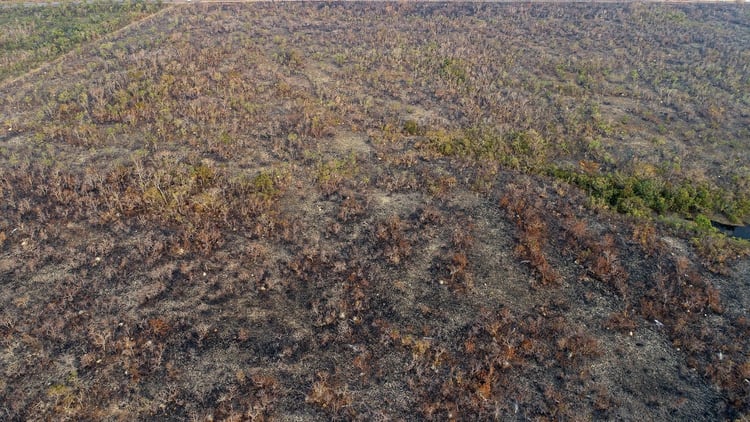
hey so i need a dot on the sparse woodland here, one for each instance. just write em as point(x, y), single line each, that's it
point(385, 211)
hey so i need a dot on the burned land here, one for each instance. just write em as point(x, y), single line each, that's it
point(374, 211)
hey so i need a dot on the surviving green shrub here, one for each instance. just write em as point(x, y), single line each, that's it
point(263, 184)
point(636, 195)
point(412, 128)
point(332, 173)
point(454, 70)
point(203, 174)
point(704, 223)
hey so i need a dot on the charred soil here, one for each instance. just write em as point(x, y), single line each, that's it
point(345, 211)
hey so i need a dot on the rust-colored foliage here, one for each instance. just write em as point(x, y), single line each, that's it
point(202, 215)
point(533, 236)
point(328, 395)
point(392, 236)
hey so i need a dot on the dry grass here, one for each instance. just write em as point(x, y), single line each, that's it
point(312, 211)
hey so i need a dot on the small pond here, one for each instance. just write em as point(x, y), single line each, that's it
point(741, 232)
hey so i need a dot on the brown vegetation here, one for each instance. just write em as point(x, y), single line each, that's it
point(308, 211)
